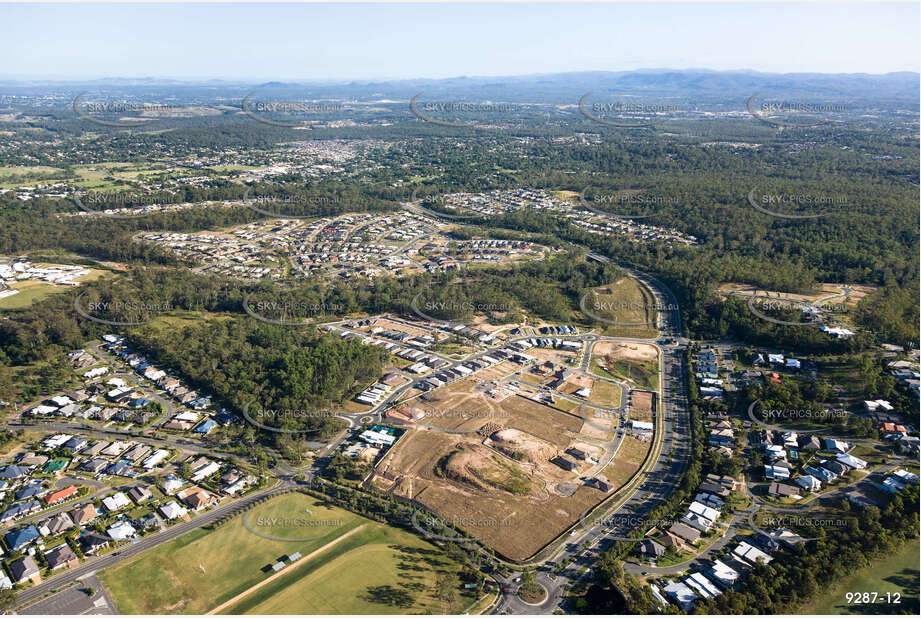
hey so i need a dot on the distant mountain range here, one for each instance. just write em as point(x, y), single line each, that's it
point(704, 86)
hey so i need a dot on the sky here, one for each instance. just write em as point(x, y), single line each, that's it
point(385, 41)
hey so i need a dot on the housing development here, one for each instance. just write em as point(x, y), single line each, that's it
point(602, 342)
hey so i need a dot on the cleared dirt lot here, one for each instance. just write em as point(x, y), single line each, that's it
point(501, 475)
point(857, 293)
point(625, 351)
point(642, 405)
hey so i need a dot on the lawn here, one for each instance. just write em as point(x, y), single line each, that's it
point(378, 570)
point(895, 573)
point(202, 569)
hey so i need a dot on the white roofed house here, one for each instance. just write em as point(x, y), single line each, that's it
point(808, 482)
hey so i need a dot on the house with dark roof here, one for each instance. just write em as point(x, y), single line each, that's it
point(91, 543)
point(13, 472)
point(139, 494)
point(61, 557)
point(650, 549)
point(685, 532)
point(32, 490)
point(24, 569)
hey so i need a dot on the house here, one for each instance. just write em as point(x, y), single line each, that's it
point(704, 511)
point(685, 532)
point(852, 462)
point(826, 476)
point(669, 540)
point(722, 574)
point(835, 466)
point(750, 554)
point(776, 472)
point(116, 501)
point(148, 522)
point(197, 498)
point(697, 521)
point(24, 569)
point(577, 453)
point(650, 549)
point(120, 468)
point(205, 471)
point(170, 484)
point(703, 586)
point(566, 464)
point(12, 473)
point(809, 482)
point(62, 494)
point(172, 510)
point(56, 525)
point(139, 494)
point(61, 557)
point(809, 443)
point(94, 466)
point(75, 444)
point(93, 542)
point(205, 427)
point(17, 539)
point(783, 490)
point(601, 483)
point(836, 446)
point(121, 530)
point(32, 460)
point(32, 490)
point(683, 596)
point(84, 514)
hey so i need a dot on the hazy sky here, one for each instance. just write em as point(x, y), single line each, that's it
point(284, 41)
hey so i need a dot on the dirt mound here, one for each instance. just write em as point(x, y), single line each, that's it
point(519, 445)
point(459, 465)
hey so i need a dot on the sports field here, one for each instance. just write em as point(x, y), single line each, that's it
point(204, 568)
point(377, 568)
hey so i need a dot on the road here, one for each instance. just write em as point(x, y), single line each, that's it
point(663, 474)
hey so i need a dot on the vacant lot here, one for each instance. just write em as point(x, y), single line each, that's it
point(830, 291)
point(33, 291)
point(202, 569)
point(642, 405)
point(378, 570)
point(628, 304)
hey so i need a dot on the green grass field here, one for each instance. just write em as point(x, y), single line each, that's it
point(625, 301)
point(377, 568)
point(202, 569)
point(896, 573)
